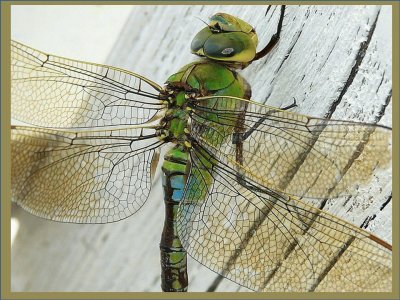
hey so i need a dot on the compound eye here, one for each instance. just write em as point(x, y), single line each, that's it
point(219, 46)
point(229, 46)
point(200, 39)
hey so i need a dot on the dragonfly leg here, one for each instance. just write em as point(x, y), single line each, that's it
point(274, 39)
point(290, 106)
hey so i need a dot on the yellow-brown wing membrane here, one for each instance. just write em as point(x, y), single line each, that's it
point(287, 152)
point(268, 241)
point(52, 91)
point(82, 177)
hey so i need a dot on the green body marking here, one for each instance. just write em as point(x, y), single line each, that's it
point(227, 43)
point(205, 78)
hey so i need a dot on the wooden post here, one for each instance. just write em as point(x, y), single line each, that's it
point(334, 60)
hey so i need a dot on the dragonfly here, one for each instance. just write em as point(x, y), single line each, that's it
point(236, 173)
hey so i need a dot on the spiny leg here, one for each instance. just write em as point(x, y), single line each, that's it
point(290, 106)
point(274, 39)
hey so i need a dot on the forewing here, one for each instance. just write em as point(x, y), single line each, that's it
point(52, 91)
point(82, 177)
point(270, 242)
point(290, 153)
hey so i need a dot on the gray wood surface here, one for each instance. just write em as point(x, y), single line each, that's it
point(329, 58)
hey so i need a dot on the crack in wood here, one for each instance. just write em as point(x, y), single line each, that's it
point(268, 8)
point(388, 200)
point(329, 54)
point(381, 112)
point(354, 71)
point(366, 221)
point(289, 51)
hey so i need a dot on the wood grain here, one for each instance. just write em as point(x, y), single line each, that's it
point(334, 60)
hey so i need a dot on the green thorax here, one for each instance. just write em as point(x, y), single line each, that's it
point(200, 78)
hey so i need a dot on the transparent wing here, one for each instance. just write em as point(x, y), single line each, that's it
point(287, 152)
point(271, 242)
point(82, 177)
point(51, 91)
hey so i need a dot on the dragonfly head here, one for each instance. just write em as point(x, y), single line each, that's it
point(227, 39)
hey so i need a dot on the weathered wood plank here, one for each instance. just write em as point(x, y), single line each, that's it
point(325, 60)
